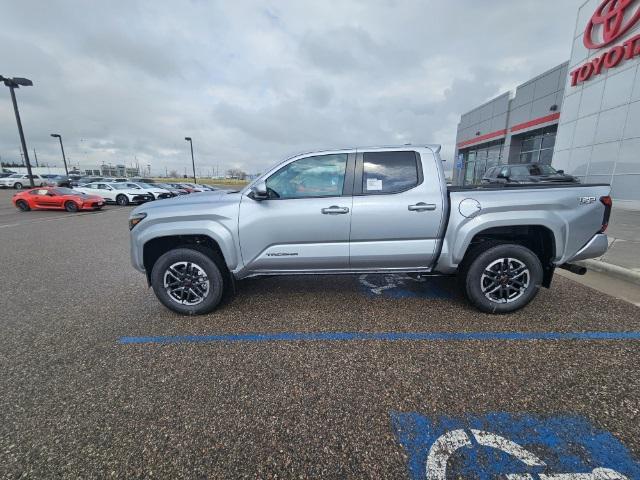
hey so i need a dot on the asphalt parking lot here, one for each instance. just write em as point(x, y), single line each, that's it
point(323, 377)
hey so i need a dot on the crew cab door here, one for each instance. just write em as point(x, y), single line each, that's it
point(397, 210)
point(304, 224)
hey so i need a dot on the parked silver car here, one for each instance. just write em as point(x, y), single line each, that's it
point(368, 210)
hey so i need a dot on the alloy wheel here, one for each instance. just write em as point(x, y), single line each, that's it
point(505, 280)
point(186, 283)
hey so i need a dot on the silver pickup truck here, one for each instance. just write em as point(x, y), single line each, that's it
point(368, 210)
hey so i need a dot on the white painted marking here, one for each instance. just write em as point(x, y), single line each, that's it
point(441, 451)
point(446, 445)
point(53, 219)
point(393, 280)
point(597, 474)
point(500, 443)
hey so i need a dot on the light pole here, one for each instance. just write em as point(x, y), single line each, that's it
point(64, 158)
point(14, 83)
point(193, 162)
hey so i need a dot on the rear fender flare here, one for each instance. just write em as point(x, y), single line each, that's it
point(476, 225)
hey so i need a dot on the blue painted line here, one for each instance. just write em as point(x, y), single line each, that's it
point(381, 336)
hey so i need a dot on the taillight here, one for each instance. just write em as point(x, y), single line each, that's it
point(608, 203)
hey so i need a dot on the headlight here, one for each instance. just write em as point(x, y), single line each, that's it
point(136, 219)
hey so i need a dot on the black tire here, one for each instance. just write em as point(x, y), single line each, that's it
point(484, 271)
point(203, 260)
point(122, 200)
point(17, 186)
point(70, 206)
point(23, 206)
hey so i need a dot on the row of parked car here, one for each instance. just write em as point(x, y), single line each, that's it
point(95, 194)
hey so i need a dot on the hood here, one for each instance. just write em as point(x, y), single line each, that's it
point(89, 197)
point(193, 200)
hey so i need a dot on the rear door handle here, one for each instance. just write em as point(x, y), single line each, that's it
point(422, 207)
point(335, 210)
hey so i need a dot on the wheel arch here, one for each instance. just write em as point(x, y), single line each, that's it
point(154, 248)
point(540, 239)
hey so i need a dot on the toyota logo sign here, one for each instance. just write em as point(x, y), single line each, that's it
point(608, 23)
point(611, 20)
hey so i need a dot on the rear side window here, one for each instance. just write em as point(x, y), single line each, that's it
point(389, 172)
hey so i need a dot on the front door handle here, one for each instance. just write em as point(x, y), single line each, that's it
point(422, 207)
point(335, 210)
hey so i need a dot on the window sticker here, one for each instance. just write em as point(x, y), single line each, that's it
point(374, 184)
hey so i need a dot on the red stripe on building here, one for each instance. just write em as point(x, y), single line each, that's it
point(482, 138)
point(537, 121)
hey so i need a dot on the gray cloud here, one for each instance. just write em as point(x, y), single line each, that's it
point(254, 81)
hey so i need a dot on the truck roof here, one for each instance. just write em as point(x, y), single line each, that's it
point(433, 146)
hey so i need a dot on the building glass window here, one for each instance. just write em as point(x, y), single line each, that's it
point(538, 148)
point(479, 159)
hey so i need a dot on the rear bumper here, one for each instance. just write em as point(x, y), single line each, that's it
point(596, 247)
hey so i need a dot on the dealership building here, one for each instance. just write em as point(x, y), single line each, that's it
point(582, 116)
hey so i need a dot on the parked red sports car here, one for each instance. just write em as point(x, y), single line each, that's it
point(56, 198)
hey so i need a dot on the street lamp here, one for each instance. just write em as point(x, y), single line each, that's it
point(193, 162)
point(64, 159)
point(14, 83)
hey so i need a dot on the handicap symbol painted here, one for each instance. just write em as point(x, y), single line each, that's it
point(400, 285)
point(511, 447)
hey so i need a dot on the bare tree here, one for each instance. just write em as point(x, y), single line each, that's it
point(236, 173)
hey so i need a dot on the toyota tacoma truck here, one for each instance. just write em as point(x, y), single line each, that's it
point(368, 210)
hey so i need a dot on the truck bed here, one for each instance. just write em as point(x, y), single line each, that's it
point(572, 212)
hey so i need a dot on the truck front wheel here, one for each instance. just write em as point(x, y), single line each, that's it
point(501, 278)
point(187, 281)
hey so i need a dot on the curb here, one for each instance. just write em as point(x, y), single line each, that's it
point(610, 269)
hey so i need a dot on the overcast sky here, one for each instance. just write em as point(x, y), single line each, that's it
point(255, 81)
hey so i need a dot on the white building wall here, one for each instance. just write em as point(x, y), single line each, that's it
point(599, 132)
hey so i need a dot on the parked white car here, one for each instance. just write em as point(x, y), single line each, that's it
point(155, 190)
point(115, 192)
point(19, 181)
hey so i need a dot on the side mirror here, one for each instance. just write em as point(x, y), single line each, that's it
point(259, 192)
point(51, 194)
point(561, 172)
point(503, 176)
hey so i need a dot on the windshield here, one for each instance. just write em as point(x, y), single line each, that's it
point(146, 185)
point(542, 170)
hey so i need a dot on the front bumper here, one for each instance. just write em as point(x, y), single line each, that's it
point(596, 247)
point(93, 204)
point(142, 198)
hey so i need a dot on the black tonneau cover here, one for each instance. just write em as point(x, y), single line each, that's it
point(521, 186)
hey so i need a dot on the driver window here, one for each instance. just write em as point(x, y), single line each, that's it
point(319, 176)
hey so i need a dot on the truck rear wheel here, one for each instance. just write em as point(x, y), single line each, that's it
point(500, 277)
point(187, 281)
